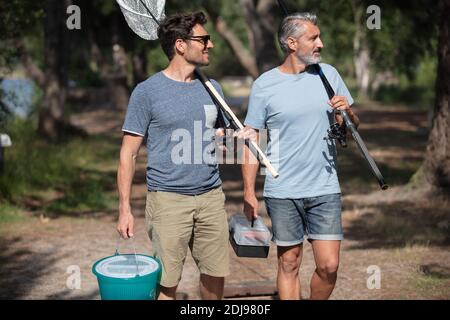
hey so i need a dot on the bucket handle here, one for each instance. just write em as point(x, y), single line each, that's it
point(134, 250)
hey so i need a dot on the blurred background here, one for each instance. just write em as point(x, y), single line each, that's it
point(63, 95)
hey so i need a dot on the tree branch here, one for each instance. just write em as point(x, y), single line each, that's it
point(244, 57)
point(247, 60)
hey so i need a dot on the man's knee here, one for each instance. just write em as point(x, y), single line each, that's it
point(289, 262)
point(328, 269)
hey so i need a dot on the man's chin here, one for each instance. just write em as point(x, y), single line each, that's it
point(203, 64)
point(314, 61)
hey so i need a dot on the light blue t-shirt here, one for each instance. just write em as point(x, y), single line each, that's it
point(177, 120)
point(294, 109)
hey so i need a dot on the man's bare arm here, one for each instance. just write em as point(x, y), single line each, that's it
point(125, 173)
point(250, 166)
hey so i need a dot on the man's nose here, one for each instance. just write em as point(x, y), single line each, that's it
point(319, 43)
point(210, 44)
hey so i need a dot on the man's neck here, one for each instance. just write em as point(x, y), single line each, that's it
point(180, 70)
point(292, 65)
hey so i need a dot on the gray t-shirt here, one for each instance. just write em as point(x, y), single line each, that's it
point(177, 120)
point(294, 109)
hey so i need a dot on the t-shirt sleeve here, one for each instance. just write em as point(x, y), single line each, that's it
point(257, 108)
point(341, 89)
point(138, 114)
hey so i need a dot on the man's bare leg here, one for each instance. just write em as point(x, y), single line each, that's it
point(326, 256)
point(166, 293)
point(288, 283)
point(211, 288)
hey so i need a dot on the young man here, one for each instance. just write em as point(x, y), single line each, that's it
point(291, 102)
point(174, 114)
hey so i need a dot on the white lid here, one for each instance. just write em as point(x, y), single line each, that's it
point(124, 266)
point(244, 234)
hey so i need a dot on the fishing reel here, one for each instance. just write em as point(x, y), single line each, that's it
point(338, 133)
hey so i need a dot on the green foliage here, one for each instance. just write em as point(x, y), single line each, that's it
point(418, 92)
point(9, 213)
point(86, 77)
point(406, 40)
point(408, 34)
point(38, 170)
point(405, 45)
point(18, 19)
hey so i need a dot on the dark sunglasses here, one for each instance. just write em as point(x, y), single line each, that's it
point(204, 39)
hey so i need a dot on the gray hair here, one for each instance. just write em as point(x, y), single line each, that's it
point(291, 28)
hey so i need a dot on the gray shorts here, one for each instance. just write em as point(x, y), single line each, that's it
point(316, 218)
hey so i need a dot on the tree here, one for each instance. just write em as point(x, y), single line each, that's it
point(51, 114)
point(361, 53)
point(437, 160)
point(23, 21)
point(15, 18)
point(260, 17)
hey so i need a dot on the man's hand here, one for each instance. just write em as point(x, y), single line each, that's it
point(246, 133)
point(341, 103)
point(250, 206)
point(125, 226)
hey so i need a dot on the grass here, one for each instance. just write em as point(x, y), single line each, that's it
point(435, 286)
point(401, 224)
point(9, 213)
point(396, 228)
point(65, 178)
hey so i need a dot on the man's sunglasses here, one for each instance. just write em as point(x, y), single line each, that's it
point(204, 39)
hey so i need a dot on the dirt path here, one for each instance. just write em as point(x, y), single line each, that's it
point(385, 233)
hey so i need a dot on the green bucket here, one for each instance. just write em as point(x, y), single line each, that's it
point(128, 277)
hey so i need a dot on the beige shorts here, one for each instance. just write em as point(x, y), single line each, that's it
point(175, 222)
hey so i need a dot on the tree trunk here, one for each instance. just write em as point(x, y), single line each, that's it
point(437, 159)
point(33, 71)
point(139, 67)
point(51, 113)
point(118, 75)
point(245, 58)
point(361, 53)
point(260, 16)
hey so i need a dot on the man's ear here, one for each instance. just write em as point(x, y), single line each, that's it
point(292, 44)
point(180, 46)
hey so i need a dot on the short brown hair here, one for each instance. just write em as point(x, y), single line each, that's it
point(178, 26)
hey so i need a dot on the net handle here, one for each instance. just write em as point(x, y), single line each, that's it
point(117, 253)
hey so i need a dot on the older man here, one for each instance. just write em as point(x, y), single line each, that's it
point(305, 201)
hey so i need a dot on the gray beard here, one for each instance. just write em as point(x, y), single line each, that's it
point(308, 59)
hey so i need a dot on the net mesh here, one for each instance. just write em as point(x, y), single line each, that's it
point(139, 19)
